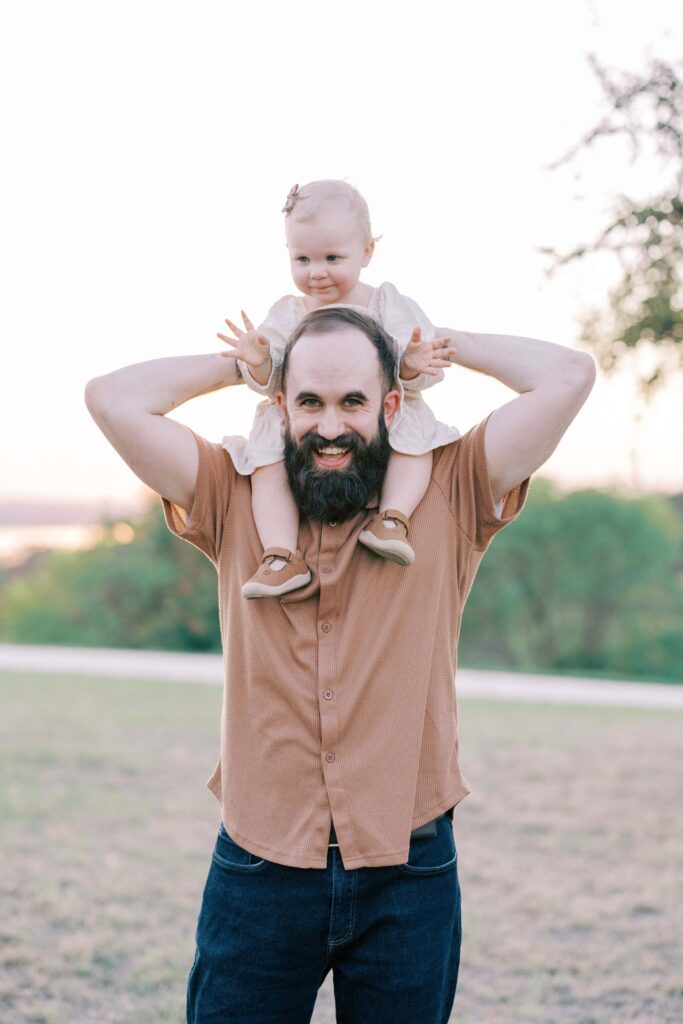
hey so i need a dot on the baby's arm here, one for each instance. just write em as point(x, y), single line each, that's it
point(249, 348)
point(259, 351)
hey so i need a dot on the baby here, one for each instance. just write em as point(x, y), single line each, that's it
point(330, 242)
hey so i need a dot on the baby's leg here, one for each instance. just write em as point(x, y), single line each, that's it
point(277, 521)
point(275, 512)
point(406, 482)
point(404, 487)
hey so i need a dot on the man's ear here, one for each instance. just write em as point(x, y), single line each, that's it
point(280, 399)
point(390, 405)
point(367, 253)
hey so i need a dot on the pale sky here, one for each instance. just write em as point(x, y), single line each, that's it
point(150, 146)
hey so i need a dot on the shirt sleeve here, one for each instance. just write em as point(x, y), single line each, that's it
point(203, 526)
point(462, 474)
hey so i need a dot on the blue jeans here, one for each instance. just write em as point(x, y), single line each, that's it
point(268, 934)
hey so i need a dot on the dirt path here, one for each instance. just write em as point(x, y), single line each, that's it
point(208, 668)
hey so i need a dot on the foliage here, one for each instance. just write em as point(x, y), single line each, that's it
point(588, 581)
point(646, 234)
point(154, 592)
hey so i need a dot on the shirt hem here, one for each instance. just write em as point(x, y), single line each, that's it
point(387, 859)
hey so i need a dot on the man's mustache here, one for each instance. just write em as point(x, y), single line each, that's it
point(314, 443)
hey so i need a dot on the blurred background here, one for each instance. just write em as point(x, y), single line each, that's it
point(524, 165)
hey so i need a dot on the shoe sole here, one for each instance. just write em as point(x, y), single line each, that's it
point(392, 550)
point(251, 590)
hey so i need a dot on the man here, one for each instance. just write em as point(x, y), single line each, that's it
point(338, 771)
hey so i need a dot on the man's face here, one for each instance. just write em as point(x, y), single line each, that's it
point(337, 420)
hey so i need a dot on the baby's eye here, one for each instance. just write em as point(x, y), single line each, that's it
point(332, 259)
point(302, 259)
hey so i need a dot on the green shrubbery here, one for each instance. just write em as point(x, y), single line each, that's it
point(155, 592)
point(589, 581)
point(586, 581)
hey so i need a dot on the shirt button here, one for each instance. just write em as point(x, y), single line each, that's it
point(329, 757)
point(326, 568)
point(326, 627)
point(328, 695)
point(331, 524)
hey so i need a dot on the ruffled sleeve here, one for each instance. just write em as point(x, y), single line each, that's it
point(277, 327)
point(400, 315)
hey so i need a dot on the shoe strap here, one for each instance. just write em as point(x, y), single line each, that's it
point(277, 553)
point(393, 513)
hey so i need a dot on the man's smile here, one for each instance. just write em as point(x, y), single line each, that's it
point(332, 457)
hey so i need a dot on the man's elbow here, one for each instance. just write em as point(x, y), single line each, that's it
point(588, 369)
point(100, 397)
point(581, 372)
point(90, 394)
point(94, 396)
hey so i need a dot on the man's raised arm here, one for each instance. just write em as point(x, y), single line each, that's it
point(553, 382)
point(130, 406)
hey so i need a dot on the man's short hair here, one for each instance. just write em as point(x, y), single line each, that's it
point(326, 320)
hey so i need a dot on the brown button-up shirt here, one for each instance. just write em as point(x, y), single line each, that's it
point(339, 701)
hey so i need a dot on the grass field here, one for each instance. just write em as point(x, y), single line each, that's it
point(570, 856)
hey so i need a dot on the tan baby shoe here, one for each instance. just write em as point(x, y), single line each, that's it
point(387, 535)
point(279, 572)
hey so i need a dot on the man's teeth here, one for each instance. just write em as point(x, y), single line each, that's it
point(332, 451)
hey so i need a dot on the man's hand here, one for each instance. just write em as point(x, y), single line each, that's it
point(425, 356)
point(249, 346)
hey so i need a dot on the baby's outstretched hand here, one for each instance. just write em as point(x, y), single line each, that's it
point(425, 356)
point(248, 345)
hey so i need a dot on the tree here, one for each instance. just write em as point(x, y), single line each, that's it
point(154, 592)
point(584, 581)
point(645, 235)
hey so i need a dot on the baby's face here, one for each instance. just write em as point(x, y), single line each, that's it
point(327, 255)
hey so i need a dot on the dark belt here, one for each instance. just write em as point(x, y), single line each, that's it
point(421, 832)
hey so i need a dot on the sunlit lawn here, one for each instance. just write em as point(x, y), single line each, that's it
point(570, 856)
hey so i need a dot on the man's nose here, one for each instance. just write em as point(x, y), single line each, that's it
point(330, 425)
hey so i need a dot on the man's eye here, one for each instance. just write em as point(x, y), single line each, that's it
point(309, 401)
point(352, 401)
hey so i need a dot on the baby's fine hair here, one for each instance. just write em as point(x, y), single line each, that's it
point(310, 199)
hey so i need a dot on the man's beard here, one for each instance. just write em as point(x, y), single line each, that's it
point(336, 494)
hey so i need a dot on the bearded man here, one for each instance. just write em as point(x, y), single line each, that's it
point(338, 770)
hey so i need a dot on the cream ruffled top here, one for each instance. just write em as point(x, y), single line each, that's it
point(415, 429)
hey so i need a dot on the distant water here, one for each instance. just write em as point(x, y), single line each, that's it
point(16, 542)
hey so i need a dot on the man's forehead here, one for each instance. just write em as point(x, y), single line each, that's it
point(345, 359)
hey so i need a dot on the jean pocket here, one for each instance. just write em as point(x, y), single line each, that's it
point(230, 855)
point(434, 855)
